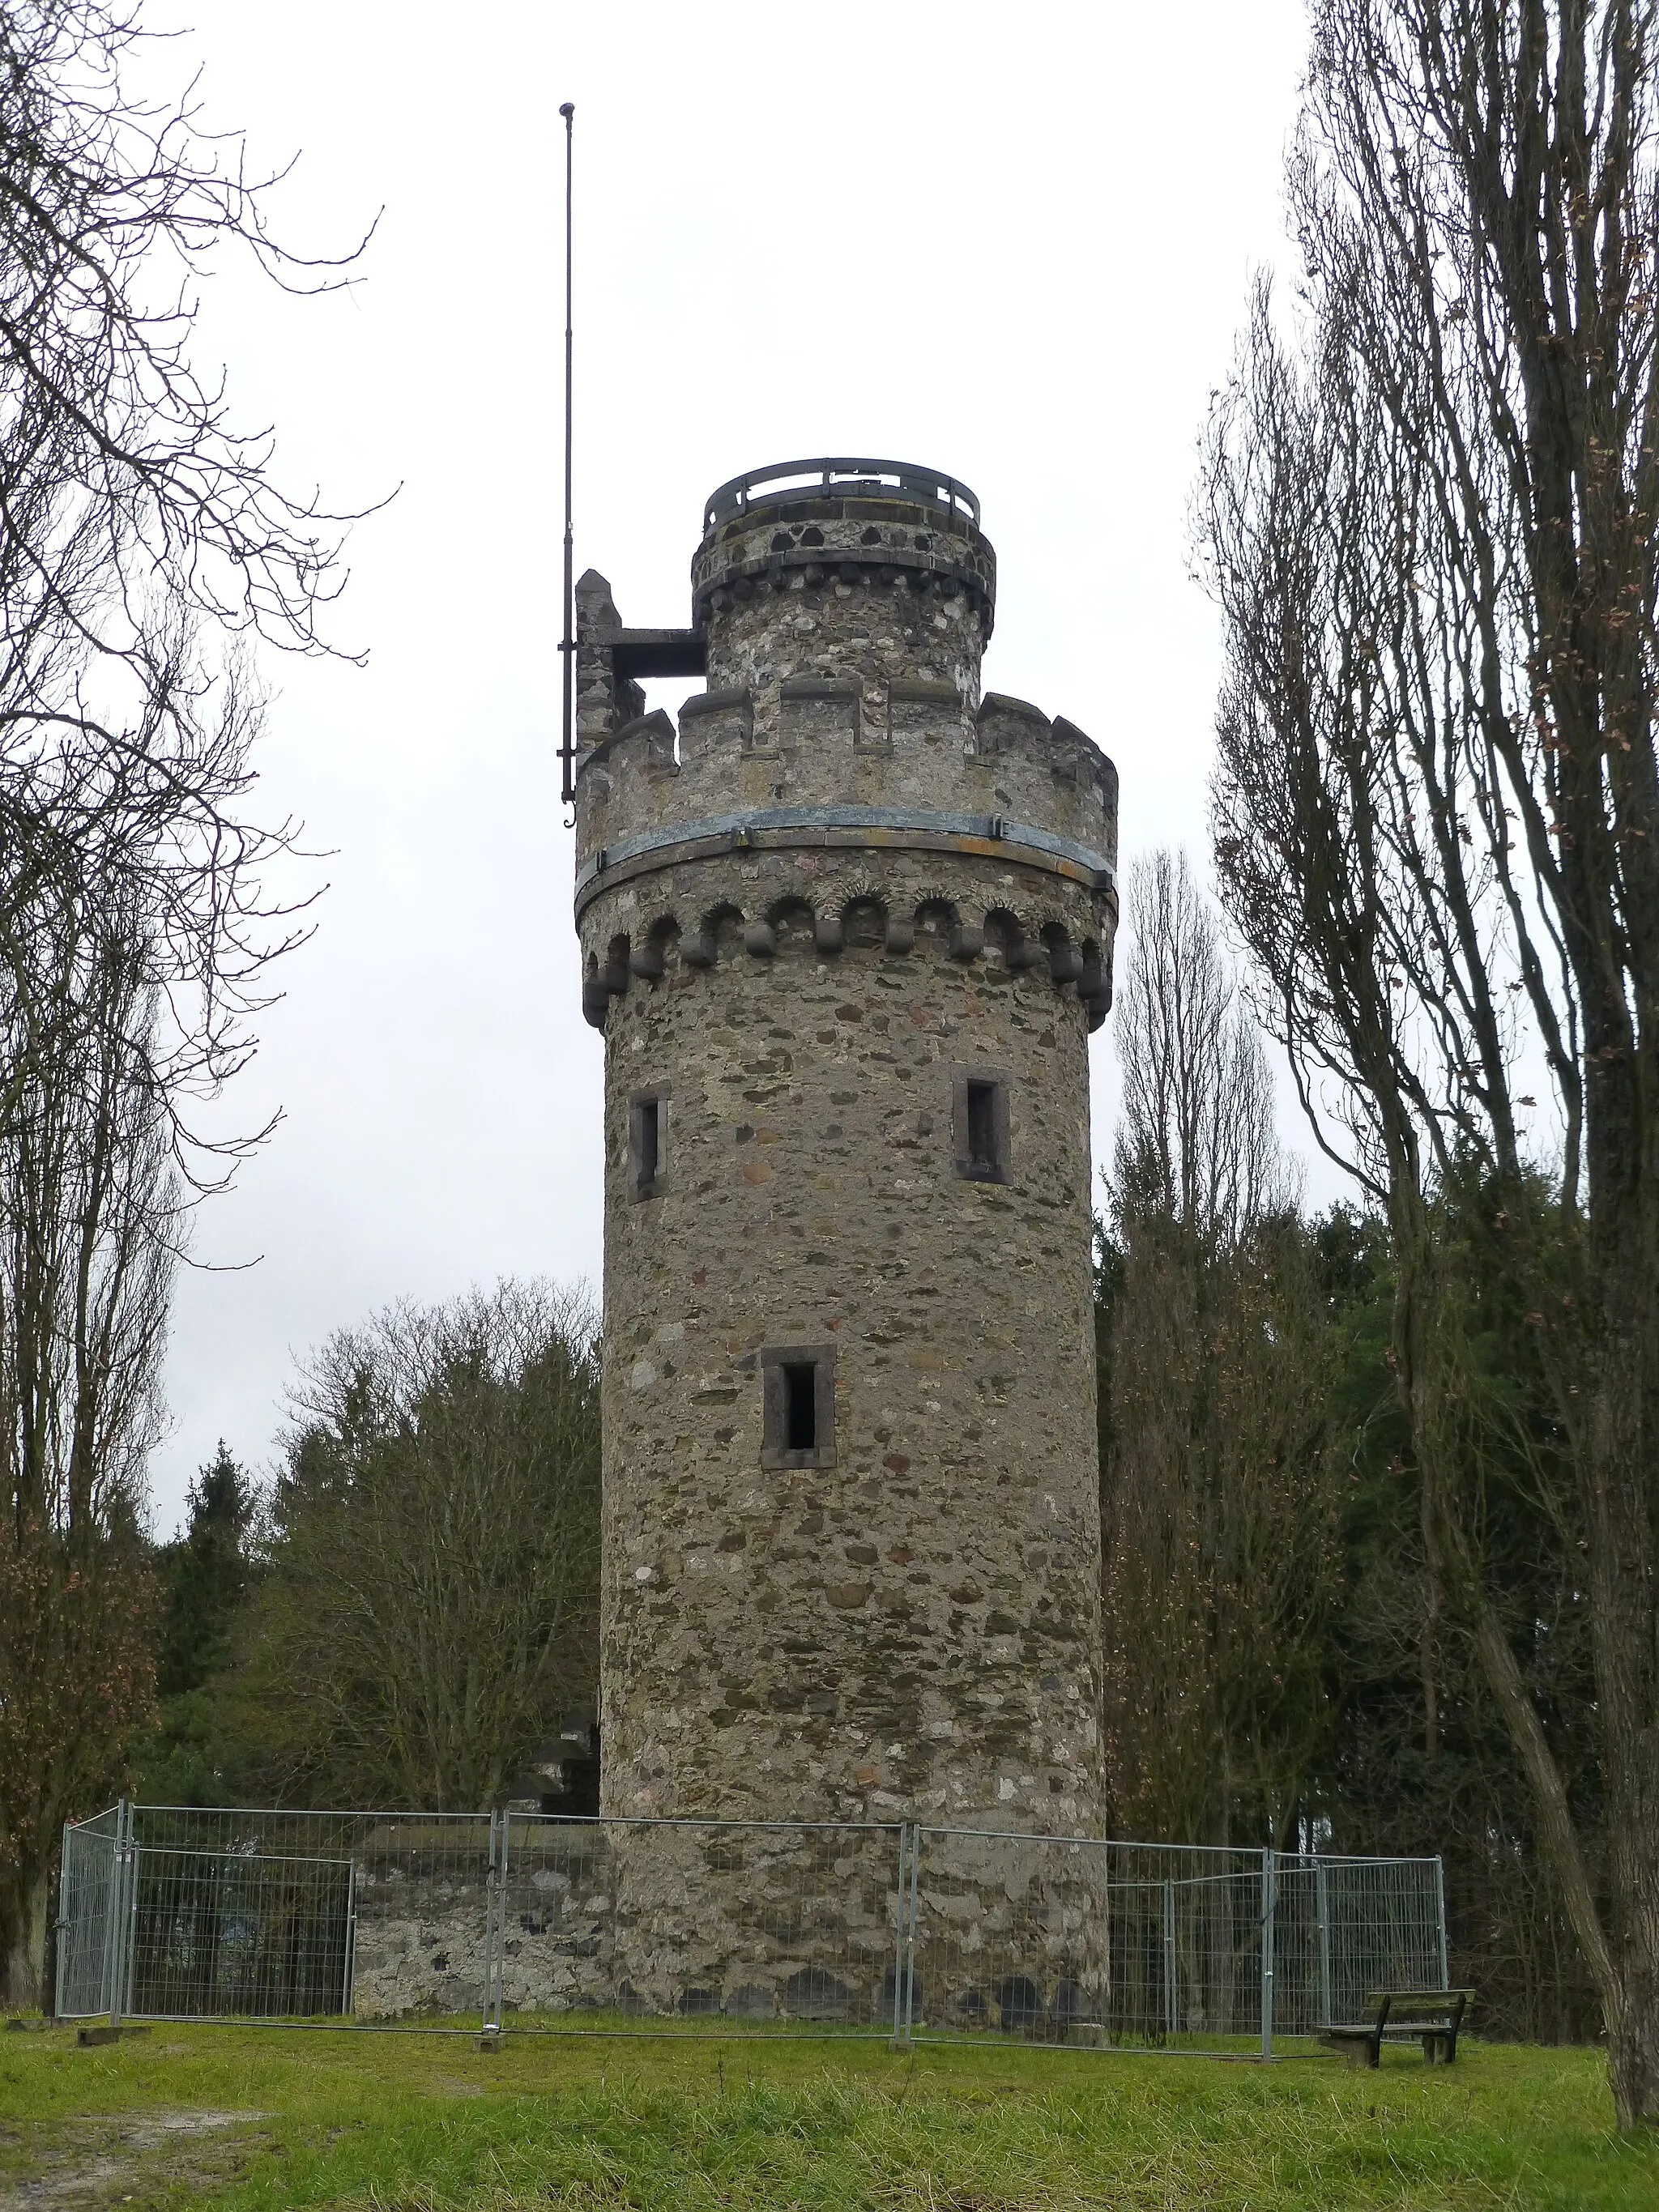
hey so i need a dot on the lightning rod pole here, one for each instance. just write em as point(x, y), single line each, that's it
point(568, 643)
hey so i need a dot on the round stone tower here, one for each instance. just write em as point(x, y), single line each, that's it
point(846, 930)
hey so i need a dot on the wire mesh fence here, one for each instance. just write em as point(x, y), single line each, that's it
point(1343, 1926)
point(460, 1922)
point(1062, 1939)
point(88, 1908)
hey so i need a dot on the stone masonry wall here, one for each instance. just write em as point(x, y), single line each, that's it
point(616, 1918)
point(917, 1628)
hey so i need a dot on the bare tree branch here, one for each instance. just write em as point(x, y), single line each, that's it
point(1428, 512)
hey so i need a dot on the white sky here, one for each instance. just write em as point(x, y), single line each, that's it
point(1013, 243)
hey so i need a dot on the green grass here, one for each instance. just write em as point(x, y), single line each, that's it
point(413, 2124)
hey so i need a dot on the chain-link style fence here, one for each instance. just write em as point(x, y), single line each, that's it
point(459, 1922)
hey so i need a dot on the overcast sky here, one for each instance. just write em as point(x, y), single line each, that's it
point(1014, 243)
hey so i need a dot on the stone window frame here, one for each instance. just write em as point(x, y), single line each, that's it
point(641, 1188)
point(971, 1170)
point(775, 1404)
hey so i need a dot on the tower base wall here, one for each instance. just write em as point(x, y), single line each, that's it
point(912, 1629)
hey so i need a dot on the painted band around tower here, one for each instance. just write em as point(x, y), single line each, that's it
point(846, 928)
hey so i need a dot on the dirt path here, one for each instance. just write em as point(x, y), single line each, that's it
point(133, 2158)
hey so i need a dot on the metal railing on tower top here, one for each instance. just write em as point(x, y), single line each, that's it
point(835, 477)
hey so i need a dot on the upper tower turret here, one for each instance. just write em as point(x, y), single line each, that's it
point(840, 612)
point(848, 533)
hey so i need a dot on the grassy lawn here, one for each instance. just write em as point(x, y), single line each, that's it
point(249, 2118)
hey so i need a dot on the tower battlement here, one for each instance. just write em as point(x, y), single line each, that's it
point(840, 631)
point(846, 924)
point(819, 740)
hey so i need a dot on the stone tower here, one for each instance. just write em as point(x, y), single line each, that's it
point(846, 930)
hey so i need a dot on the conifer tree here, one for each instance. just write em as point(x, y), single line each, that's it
point(206, 1575)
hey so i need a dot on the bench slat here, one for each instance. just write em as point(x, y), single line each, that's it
point(1421, 1996)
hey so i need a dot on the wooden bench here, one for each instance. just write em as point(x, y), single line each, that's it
point(1431, 2016)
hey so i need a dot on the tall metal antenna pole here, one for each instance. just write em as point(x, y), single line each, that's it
point(568, 643)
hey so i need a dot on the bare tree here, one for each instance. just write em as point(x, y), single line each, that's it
point(145, 549)
point(1195, 1138)
point(429, 1601)
point(86, 1189)
point(1218, 1519)
point(145, 542)
point(1428, 510)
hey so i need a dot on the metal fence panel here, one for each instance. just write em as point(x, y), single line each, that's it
point(1218, 1917)
point(1345, 1926)
point(218, 1935)
point(260, 1914)
point(87, 1888)
point(1061, 1940)
point(712, 1927)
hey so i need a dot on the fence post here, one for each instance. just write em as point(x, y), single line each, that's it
point(1440, 1915)
point(129, 1918)
point(350, 1938)
point(910, 1935)
point(1268, 1899)
point(494, 1886)
point(115, 1925)
point(899, 1938)
point(61, 1948)
point(503, 1873)
point(1322, 1913)
point(1169, 2022)
point(489, 1931)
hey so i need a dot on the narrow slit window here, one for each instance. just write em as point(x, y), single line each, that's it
point(797, 1406)
point(645, 1143)
point(982, 1125)
point(800, 1411)
point(982, 1128)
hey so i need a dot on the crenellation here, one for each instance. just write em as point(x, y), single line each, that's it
point(604, 702)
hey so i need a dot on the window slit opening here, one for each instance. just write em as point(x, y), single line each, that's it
point(983, 1126)
point(800, 1411)
point(645, 1144)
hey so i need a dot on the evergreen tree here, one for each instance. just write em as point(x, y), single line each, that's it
point(1421, 1762)
point(1219, 1503)
point(205, 1574)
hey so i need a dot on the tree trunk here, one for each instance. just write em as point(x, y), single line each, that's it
point(23, 1960)
point(1621, 1945)
point(1622, 1540)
